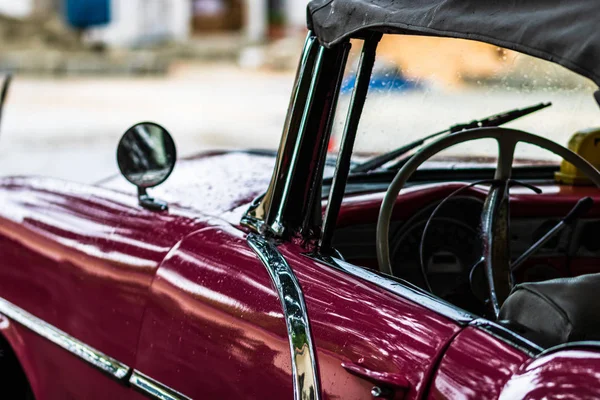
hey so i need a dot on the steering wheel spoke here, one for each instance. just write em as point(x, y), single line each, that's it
point(506, 155)
point(496, 240)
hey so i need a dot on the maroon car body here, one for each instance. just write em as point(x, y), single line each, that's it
point(102, 298)
point(181, 298)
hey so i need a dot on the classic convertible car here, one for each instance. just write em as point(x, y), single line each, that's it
point(250, 274)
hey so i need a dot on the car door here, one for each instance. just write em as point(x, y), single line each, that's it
point(373, 336)
point(221, 324)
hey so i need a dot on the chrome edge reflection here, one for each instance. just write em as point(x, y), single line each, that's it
point(414, 293)
point(399, 287)
point(580, 345)
point(154, 389)
point(508, 336)
point(88, 354)
point(304, 362)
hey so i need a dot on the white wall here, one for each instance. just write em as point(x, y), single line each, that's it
point(181, 20)
point(295, 13)
point(137, 21)
point(255, 22)
point(16, 8)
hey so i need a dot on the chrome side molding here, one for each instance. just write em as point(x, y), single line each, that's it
point(304, 361)
point(88, 354)
point(154, 389)
point(109, 365)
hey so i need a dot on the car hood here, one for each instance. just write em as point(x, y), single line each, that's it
point(212, 183)
point(216, 183)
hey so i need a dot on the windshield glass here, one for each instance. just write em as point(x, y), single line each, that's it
point(421, 85)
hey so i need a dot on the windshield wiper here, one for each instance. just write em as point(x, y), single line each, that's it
point(494, 120)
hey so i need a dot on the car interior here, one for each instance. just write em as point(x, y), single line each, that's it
point(513, 241)
point(549, 303)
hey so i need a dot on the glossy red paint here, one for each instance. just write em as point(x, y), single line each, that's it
point(54, 373)
point(566, 374)
point(214, 327)
point(354, 321)
point(82, 258)
point(181, 297)
point(13, 333)
point(475, 366)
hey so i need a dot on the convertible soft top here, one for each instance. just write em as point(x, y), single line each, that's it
point(565, 32)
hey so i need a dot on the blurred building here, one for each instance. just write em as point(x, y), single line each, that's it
point(135, 22)
point(17, 9)
point(25, 8)
point(139, 22)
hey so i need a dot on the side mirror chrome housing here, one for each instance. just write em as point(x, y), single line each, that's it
point(146, 156)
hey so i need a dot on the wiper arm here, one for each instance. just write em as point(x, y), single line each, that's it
point(494, 120)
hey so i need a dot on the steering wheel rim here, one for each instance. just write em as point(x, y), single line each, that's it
point(507, 140)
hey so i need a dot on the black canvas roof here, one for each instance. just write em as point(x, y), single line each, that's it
point(563, 31)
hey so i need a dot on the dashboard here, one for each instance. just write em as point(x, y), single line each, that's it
point(451, 247)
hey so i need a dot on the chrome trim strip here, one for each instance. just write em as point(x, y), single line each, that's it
point(508, 336)
point(581, 345)
point(399, 287)
point(304, 362)
point(419, 296)
point(88, 354)
point(154, 389)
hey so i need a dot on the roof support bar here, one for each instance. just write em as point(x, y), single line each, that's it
point(359, 95)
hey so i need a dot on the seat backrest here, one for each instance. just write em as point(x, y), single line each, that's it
point(558, 310)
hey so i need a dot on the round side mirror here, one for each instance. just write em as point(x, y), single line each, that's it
point(146, 156)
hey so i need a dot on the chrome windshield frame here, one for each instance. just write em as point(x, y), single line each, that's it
point(291, 203)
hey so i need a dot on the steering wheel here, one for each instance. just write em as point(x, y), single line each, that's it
point(495, 214)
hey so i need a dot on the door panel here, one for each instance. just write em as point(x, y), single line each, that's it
point(214, 326)
point(475, 366)
point(365, 335)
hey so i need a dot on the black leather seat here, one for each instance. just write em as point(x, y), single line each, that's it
point(556, 311)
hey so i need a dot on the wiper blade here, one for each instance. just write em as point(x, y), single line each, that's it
point(494, 120)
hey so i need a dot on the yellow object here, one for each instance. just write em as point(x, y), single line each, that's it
point(586, 143)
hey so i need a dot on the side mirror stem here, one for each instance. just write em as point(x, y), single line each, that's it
point(150, 203)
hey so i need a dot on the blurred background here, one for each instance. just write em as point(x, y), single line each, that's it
point(218, 74)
